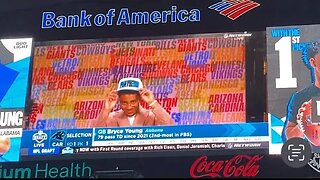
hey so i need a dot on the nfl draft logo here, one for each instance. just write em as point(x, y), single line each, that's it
point(234, 8)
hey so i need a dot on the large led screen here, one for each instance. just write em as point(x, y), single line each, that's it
point(177, 93)
point(15, 58)
point(293, 85)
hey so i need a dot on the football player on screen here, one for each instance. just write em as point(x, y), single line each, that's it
point(129, 93)
point(301, 121)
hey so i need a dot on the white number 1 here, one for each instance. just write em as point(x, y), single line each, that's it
point(285, 64)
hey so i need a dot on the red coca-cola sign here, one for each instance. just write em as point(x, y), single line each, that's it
point(237, 166)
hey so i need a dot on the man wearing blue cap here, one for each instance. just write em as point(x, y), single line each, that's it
point(129, 93)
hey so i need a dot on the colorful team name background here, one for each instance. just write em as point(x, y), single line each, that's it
point(14, 73)
point(198, 79)
point(287, 74)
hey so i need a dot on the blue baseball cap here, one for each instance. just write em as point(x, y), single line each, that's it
point(131, 84)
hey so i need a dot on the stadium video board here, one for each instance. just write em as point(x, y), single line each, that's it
point(192, 96)
point(15, 59)
point(292, 81)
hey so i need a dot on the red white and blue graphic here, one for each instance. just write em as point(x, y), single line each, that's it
point(233, 9)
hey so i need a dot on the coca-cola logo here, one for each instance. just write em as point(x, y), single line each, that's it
point(237, 166)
